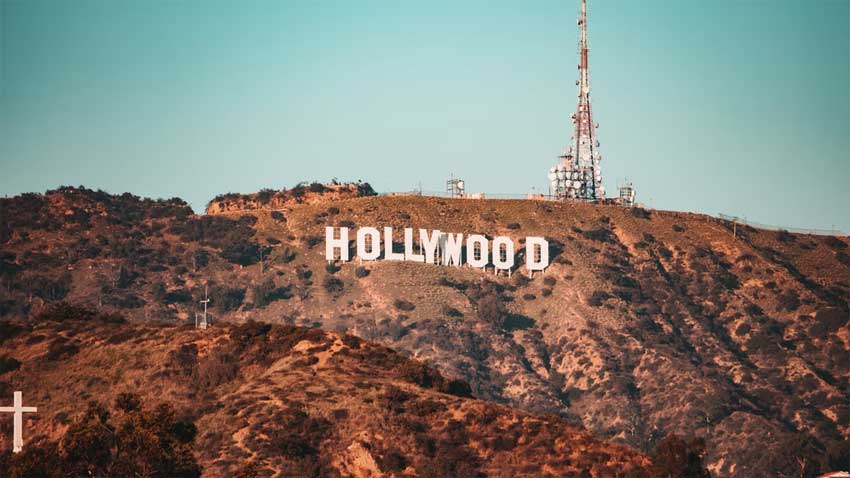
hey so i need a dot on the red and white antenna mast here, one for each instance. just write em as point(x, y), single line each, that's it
point(578, 176)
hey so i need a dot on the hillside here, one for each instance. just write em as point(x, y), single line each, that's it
point(647, 323)
point(296, 400)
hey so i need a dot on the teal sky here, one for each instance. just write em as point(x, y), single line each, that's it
point(740, 107)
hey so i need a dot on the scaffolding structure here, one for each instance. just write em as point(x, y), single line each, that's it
point(627, 195)
point(577, 174)
point(455, 187)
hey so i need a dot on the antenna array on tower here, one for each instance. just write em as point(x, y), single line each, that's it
point(577, 175)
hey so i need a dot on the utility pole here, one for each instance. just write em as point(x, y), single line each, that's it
point(261, 260)
point(203, 323)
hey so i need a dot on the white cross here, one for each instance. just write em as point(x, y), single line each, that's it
point(18, 409)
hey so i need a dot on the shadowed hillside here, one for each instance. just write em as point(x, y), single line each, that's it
point(281, 401)
point(647, 323)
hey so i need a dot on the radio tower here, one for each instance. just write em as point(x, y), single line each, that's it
point(577, 175)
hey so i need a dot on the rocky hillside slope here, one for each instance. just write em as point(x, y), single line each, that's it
point(647, 323)
point(288, 401)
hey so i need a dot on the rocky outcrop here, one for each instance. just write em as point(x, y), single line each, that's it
point(269, 199)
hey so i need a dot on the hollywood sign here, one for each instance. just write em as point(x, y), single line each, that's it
point(437, 247)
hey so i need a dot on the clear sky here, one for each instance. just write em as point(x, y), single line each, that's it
point(740, 107)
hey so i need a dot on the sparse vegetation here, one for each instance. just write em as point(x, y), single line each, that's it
point(490, 307)
point(641, 213)
point(227, 298)
point(404, 305)
point(333, 286)
point(8, 364)
point(264, 196)
point(784, 236)
point(676, 457)
point(135, 441)
point(828, 320)
point(598, 298)
point(451, 311)
point(600, 235)
point(788, 301)
point(286, 255)
point(267, 292)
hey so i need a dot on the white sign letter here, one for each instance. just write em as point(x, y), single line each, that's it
point(429, 244)
point(451, 245)
point(374, 236)
point(388, 246)
point(536, 253)
point(479, 242)
point(340, 244)
point(408, 247)
point(506, 243)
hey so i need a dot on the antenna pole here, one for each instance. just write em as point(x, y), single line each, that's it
point(204, 324)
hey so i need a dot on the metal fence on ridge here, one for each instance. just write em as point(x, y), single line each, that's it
point(768, 227)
